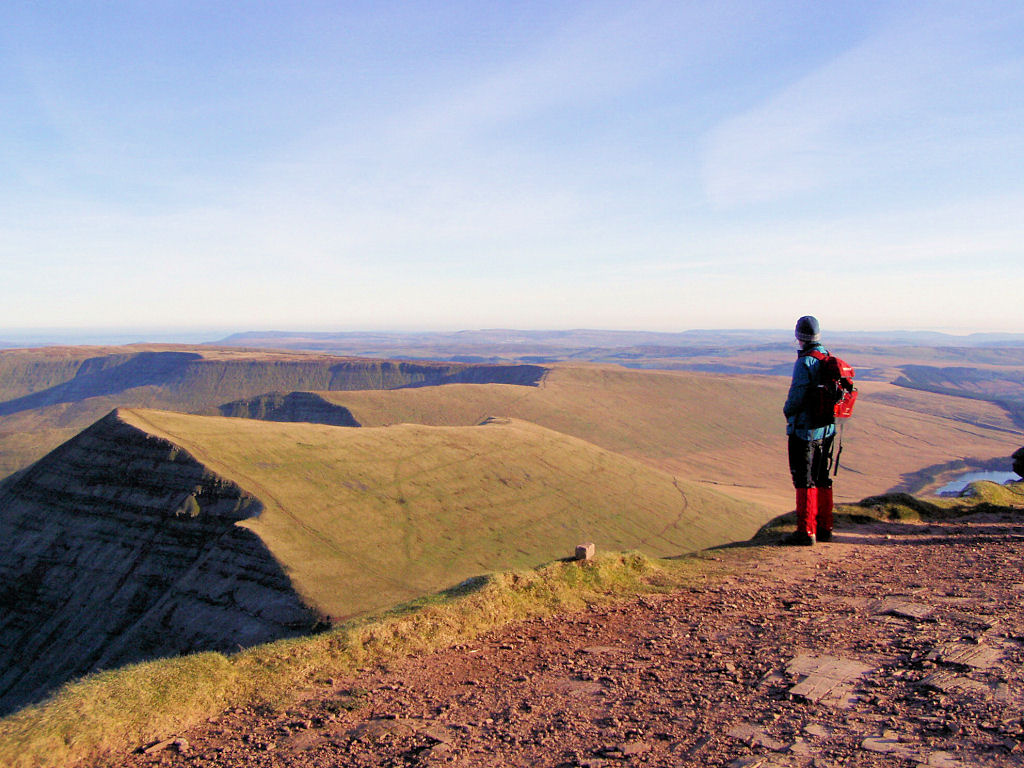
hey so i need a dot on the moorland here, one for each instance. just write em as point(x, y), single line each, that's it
point(211, 497)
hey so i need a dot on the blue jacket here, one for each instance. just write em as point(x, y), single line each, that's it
point(805, 375)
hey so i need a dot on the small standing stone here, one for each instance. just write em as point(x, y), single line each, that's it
point(585, 551)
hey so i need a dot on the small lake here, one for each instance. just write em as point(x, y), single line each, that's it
point(954, 487)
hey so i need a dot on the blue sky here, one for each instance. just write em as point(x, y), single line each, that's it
point(448, 165)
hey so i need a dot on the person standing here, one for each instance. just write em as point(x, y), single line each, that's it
point(810, 442)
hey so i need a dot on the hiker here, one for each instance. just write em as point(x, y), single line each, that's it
point(810, 444)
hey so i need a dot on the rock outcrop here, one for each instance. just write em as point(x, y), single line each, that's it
point(293, 406)
point(189, 380)
point(1018, 461)
point(119, 546)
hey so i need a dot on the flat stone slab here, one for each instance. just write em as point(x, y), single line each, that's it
point(827, 679)
point(947, 682)
point(579, 687)
point(754, 761)
point(966, 655)
point(903, 609)
point(889, 744)
point(942, 760)
point(973, 620)
point(748, 762)
point(756, 737)
point(817, 731)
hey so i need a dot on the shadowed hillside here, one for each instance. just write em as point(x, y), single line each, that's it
point(192, 379)
point(293, 406)
point(154, 533)
point(119, 546)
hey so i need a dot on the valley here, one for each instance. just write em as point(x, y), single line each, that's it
point(164, 500)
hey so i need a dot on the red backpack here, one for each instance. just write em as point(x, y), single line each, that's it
point(834, 395)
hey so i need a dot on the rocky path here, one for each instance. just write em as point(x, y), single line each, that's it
point(892, 645)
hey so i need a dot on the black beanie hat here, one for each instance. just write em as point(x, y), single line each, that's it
point(807, 329)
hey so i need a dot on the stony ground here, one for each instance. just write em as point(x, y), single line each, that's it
point(895, 644)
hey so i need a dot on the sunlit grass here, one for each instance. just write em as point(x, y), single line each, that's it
point(363, 519)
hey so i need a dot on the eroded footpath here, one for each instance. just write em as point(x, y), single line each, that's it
point(895, 644)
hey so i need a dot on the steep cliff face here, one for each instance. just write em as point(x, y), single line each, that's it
point(194, 380)
point(293, 406)
point(46, 395)
point(119, 546)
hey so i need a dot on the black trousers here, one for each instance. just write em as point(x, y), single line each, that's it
point(810, 461)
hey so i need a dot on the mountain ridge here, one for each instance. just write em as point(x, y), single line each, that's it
point(119, 546)
point(154, 533)
point(49, 394)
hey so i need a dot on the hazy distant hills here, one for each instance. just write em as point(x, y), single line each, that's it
point(915, 359)
point(981, 366)
point(602, 339)
point(723, 351)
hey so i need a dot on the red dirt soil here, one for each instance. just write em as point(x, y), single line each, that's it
point(895, 644)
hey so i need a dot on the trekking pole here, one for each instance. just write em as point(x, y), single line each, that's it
point(839, 452)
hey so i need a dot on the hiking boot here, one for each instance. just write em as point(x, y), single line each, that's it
point(823, 535)
point(798, 539)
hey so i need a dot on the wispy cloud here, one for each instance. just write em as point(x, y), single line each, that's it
point(902, 101)
point(400, 165)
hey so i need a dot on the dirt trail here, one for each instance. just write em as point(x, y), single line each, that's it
point(893, 645)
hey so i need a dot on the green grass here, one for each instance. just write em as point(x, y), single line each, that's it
point(118, 710)
point(725, 431)
point(982, 496)
point(363, 519)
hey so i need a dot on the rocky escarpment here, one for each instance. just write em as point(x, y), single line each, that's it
point(293, 406)
point(48, 394)
point(189, 380)
point(118, 547)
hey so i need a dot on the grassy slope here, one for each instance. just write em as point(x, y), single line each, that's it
point(705, 427)
point(725, 431)
point(365, 518)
